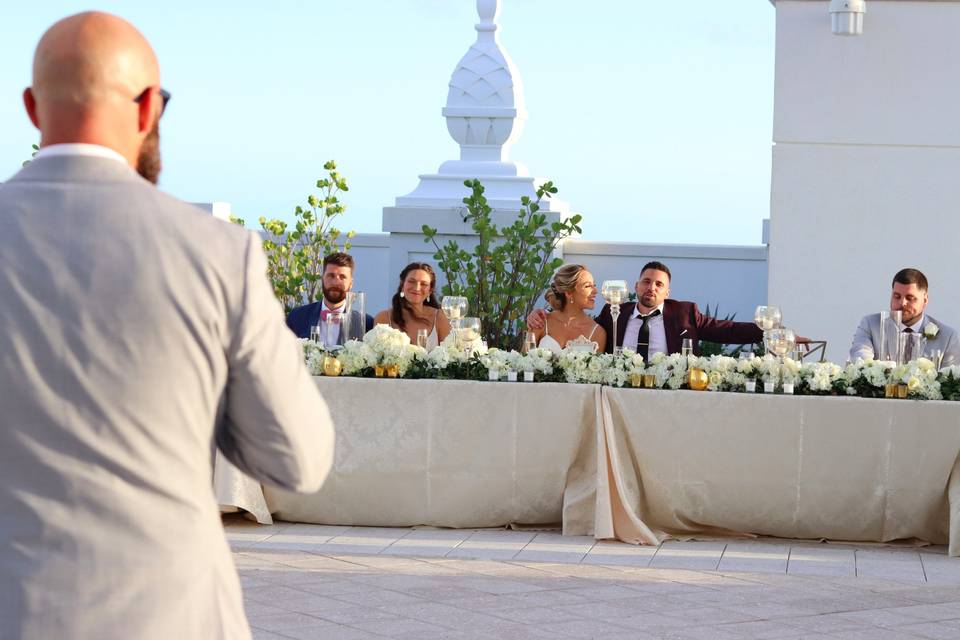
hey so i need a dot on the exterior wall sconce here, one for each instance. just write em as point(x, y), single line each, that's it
point(846, 17)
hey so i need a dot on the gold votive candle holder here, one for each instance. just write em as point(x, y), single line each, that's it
point(378, 370)
point(331, 366)
point(636, 379)
point(649, 381)
point(393, 370)
point(697, 379)
point(890, 390)
point(902, 390)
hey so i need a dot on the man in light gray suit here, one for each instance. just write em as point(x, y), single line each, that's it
point(135, 332)
point(909, 295)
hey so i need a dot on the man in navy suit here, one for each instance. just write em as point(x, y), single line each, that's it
point(337, 281)
point(656, 324)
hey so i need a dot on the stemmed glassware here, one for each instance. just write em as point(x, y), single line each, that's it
point(454, 307)
point(468, 333)
point(767, 318)
point(529, 341)
point(780, 341)
point(615, 293)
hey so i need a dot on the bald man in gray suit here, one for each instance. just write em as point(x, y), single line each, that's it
point(136, 333)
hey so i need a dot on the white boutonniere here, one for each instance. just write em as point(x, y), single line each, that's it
point(931, 330)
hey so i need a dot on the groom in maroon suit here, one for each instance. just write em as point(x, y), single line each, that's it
point(656, 324)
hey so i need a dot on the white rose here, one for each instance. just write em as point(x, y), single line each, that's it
point(931, 331)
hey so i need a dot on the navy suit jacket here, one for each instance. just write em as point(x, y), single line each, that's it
point(682, 320)
point(300, 320)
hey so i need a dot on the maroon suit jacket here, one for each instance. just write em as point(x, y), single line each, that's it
point(682, 320)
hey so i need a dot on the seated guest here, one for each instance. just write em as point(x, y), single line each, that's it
point(337, 281)
point(656, 324)
point(909, 295)
point(570, 294)
point(415, 306)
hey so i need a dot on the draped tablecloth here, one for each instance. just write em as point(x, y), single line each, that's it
point(698, 463)
point(454, 454)
point(635, 465)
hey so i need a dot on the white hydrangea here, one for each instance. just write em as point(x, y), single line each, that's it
point(355, 356)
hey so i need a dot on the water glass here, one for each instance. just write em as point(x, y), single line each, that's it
point(422, 335)
point(315, 333)
point(936, 355)
point(354, 323)
point(687, 348)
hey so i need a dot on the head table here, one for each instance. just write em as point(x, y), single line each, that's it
point(635, 465)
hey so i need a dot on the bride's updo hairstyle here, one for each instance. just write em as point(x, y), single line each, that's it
point(564, 281)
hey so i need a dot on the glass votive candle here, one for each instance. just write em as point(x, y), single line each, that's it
point(750, 386)
point(528, 376)
point(768, 387)
point(493, 375)
point(649, 381)
point(788, 388)
point(511, 375)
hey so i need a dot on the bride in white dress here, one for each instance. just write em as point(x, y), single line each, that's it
point(571, 293)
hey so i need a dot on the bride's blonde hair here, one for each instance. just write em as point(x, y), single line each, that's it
point(564, 281)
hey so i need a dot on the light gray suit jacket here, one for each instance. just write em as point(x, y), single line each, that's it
point(135, 332)
point(866, 341)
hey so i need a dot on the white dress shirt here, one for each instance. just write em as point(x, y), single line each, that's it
point(658, 335)
point(333, 337)
point(81, 149)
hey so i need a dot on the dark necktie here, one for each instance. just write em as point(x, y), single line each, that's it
point(908, 349)
point(643, 338)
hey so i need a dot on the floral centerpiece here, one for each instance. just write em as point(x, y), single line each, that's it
point(920, 376)
point(391, 347)
point(867, 378)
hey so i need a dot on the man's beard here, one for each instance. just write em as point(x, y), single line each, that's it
point(334, 295)
point(148, 161)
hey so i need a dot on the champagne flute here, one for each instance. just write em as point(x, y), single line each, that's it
point(422, 336)
point(529, 341)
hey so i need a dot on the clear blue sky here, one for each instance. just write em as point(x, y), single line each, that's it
point(653, 119)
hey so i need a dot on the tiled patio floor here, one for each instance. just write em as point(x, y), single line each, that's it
point(309, 581)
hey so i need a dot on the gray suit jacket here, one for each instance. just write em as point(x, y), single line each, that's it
point(135, 332)
point(866, 341)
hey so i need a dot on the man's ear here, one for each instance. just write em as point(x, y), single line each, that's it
point(30, 102)
point(147, 106)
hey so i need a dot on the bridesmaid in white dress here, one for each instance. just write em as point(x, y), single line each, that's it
point(415, 306)
point(571, 293)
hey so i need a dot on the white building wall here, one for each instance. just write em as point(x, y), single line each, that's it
point(865, 164)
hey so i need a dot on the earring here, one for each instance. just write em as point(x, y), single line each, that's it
point(428, 297)
point(401, 295)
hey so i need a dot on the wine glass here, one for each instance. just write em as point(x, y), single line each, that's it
point(767, 317)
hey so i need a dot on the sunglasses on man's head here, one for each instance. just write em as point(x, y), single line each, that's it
point(164, 98)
